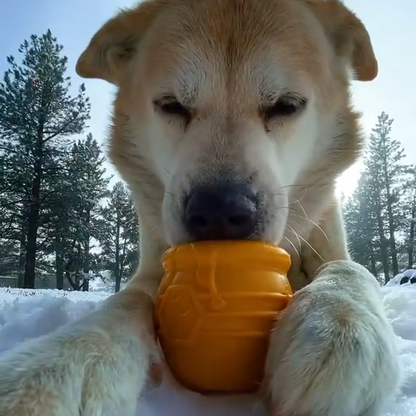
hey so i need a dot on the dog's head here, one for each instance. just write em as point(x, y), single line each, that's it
point(228, 110)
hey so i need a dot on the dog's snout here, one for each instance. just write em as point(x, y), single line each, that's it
point(222, 212)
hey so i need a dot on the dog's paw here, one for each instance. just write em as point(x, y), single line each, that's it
point(333, 352)
point(93, 367)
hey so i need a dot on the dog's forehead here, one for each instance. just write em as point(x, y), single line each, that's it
point(263, 44)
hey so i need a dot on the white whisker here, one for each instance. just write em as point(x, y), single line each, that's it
point(310, 246)
point(294, 247)
point(296, 235)
point(299, 199)
point(312, 222)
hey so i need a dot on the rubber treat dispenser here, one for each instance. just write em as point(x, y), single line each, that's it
point(215, 309)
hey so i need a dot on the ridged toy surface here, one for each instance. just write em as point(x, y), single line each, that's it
point(215, 310)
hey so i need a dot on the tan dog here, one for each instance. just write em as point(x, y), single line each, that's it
point(232, 120)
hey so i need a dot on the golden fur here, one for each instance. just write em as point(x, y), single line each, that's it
point(333, 351)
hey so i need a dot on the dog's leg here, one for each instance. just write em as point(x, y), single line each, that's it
point(94, 367)
point(333, 352)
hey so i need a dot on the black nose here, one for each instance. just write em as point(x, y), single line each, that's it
point(221, 212)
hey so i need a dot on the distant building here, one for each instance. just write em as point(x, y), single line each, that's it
point(8, 281)
point(45, 282)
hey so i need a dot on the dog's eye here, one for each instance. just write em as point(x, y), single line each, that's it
point(174, 108)
point(285, 106)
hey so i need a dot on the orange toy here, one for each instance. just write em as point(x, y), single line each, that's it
point(215, 309)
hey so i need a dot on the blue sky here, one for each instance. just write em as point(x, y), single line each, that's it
point(391, 25)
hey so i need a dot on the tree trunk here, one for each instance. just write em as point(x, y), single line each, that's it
point(411, 247)
point(117, 265)
point(33, 213)
point(73, 284)
point(392, 239)
point(79, 279)
point(118, 277)
point(122, 263)
point(373, 262)
point(384, 258)
point(32, 229)
point(383, 247)
point(86, 265)
point(22, 259)
point(59, 264)
point(86, 253)
point(85, 285)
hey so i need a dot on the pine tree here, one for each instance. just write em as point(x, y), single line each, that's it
point(119, 235)
point(37, 115)
point(388, 175)
point(410, 223)
point(90, 186)
point(379, 215)
point(360, 223)
point(73, 213)
point(9, 248)
point(60, 222)
point(12, 207)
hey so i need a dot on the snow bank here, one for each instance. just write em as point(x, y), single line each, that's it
point(26, 314)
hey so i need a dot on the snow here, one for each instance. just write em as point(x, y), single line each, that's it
point(26, 314)
point(406, 278)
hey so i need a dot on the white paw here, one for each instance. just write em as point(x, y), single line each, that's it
point(333, 352)
point(93, 367)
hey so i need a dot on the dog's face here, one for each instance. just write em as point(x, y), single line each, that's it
point(228, 110)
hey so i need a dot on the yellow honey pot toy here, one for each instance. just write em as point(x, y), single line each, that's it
point(215, 309)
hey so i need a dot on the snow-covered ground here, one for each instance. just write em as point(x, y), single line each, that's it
point(408, 276)
point(26, 314)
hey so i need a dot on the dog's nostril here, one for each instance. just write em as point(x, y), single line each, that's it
point(224, 212)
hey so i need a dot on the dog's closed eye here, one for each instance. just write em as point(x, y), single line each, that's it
point(284, 106)
point(172, 107)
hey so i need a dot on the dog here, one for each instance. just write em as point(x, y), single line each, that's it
point(232, 120)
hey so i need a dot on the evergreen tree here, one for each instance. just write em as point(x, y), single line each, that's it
point(380, 215)
point(119, 235)
point(360, 223)
point(12, 208)
point(410, 223)
point(388, 176)
point(73, 213)
point(37, 116)
point(9, 256)
point(60, 223)
point(90, 186)
point(8, 236)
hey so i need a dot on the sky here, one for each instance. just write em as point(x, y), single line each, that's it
point(391, 25)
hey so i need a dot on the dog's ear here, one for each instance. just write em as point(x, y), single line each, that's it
point(112, 47)
point(348, 35)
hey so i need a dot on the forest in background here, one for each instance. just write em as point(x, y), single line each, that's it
point(59, 215)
